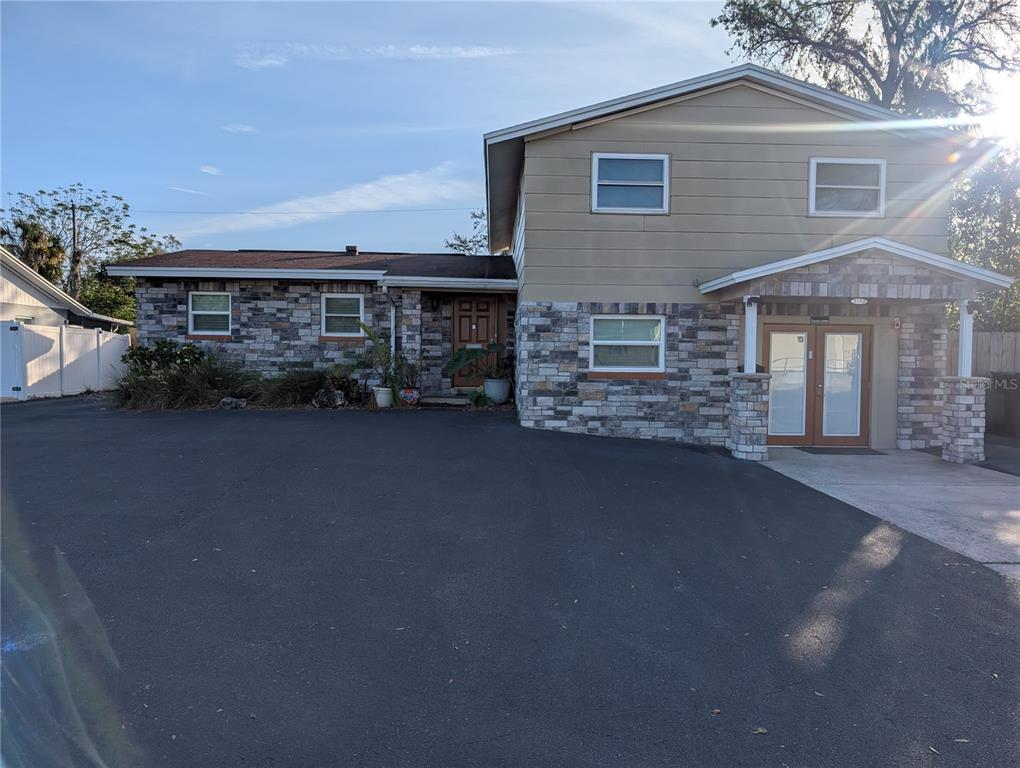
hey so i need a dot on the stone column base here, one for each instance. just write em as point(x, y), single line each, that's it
point(749, 416)
point(962, 421)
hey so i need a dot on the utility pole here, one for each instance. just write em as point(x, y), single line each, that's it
point(74, 283)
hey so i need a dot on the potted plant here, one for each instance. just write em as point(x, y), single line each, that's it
point(490, 363)
point(408, 377)
point(378, 361)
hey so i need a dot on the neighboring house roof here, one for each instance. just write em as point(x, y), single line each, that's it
point(59, 298)
point(389, 268)
point(504, 149)
point(927, 258)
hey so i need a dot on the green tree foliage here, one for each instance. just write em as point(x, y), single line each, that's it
point(985, 231)
point(475, 244)
point(36, 247)
point(102, 222)
point(919, 58)
point(110, 296)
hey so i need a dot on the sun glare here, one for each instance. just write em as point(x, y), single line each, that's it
point(1003, 123)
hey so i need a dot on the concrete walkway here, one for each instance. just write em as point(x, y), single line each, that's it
point(971, 510)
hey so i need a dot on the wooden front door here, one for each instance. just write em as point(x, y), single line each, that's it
point(474, 325)
point(821, 381)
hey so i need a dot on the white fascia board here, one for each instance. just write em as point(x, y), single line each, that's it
point(470, 283)
point(899, 249)
point(369, 275)
point(750, 71)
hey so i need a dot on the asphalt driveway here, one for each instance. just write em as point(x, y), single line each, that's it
point(446, 589)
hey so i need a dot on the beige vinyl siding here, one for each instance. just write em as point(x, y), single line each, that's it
point(739, 162)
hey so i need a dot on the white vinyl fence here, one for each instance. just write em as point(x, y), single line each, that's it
point(49, 361)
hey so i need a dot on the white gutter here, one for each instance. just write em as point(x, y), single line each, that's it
point(899, 249)
point(472, 283)
point(246, 272)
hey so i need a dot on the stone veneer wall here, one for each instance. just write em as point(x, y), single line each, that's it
point(872, 274)
point(962, 420)
point(555, 391)
point(274, 324)
point(436, 341)
point(749, 416)
point(923, 355)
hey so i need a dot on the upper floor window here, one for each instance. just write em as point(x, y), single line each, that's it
point(628, 343)
point(209, 313)
point(629, 183)
point(342, 314)
point(840, 186)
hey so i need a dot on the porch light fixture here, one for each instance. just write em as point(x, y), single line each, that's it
point(858, 301)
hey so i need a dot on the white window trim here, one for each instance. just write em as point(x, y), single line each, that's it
point(661, 344)
point(664, 159)
point(228, 313)
point(812, 186)
point(322, 314)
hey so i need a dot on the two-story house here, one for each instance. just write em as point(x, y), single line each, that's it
point(741, 259)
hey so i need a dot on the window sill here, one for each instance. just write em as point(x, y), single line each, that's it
point(208, 337)
point(846, 215)
point(343, 339)
point(633, 375)
point(632, 211)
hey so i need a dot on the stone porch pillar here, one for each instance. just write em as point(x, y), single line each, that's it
point(749, 416)
point(962, 421)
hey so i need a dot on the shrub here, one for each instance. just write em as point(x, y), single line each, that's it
point(165, 376)
point(164, 355)
point(207, 381)
point(296, 387)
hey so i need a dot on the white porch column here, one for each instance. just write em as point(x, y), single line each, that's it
point(966, 358)
point(751, 334)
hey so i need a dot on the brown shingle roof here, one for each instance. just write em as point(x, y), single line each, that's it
point(395, 264)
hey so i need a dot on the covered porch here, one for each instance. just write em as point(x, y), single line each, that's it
point(848, 348)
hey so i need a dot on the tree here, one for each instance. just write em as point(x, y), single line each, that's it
point(926, 58)
point(110, 296)
point(475, 244)
point(96, 222)
point(36, 247)
point(985, 231)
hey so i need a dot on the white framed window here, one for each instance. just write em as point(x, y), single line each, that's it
point(631, 343)
point(342, 314)
point(629, 183)
point(24, 319)
point(846, 186)
point(209, 313)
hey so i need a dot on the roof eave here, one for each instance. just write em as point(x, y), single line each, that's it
point(368, 275)
point(932, 260)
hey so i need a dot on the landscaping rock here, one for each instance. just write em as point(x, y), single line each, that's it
point(329, 397)
point(233, 403)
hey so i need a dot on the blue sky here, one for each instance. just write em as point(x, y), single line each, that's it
point(286, 106)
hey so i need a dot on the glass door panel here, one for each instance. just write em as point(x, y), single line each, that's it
point(841, 384)
point(788, 364)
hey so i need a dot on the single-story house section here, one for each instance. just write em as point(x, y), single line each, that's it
point(280, 310)
point(741, 259)
point(30, 299)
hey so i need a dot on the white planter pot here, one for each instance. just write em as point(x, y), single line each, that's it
point(383, 396)
point(497, 390)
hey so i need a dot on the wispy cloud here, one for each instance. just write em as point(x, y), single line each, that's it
point(269, 55)
point(238, 128)
point(416, 189)
point(190, 191)
point(212, 170)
